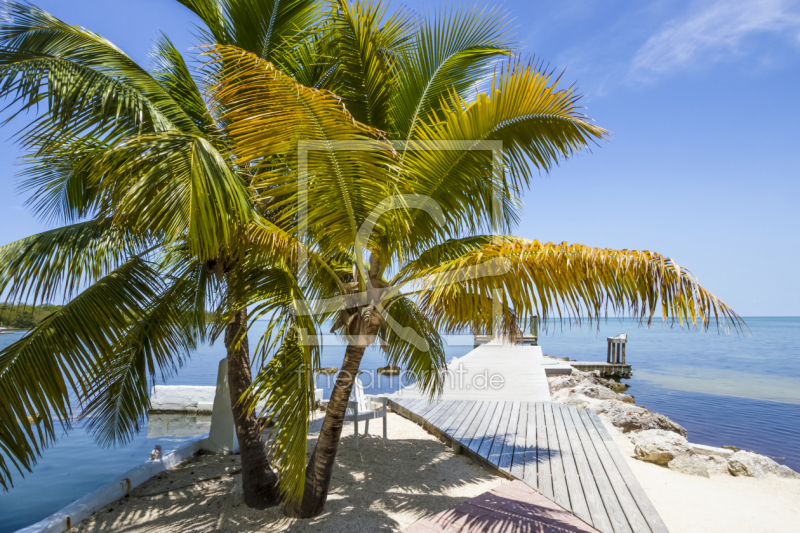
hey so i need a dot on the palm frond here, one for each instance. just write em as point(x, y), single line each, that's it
point(84, 78)
point(268, 114)
point(286, 388)
point(266, 28)
point(413, 343)
point(287, 353)
point(312, 61)
point(40, 371)
point(62, 261)
point(366, 45)
point(57, 179)
point(535, 121)
point(159, 342)
point(172, 73)
point(177, 186)
point(558, 280)
point(453, 51)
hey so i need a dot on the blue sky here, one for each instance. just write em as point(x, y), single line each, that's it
point(701, 100)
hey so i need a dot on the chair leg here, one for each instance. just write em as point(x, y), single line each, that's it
point(355, 426)
point(385, 419)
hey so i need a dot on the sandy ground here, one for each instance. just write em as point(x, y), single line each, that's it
point(718, 504)
point(387, 486)
point(384, 486)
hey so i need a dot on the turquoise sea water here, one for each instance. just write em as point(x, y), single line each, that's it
point(725, 389)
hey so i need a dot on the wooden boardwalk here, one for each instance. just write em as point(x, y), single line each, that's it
point(563, 452)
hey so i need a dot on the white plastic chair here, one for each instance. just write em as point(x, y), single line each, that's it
point(360, 408)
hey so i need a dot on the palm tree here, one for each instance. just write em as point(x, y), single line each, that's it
point(176, 204)
point(161, 225)
point(412, 230)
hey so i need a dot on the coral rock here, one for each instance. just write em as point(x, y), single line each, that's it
point(659, 446)
point(689, 464)
point(630, 418)
point(754, 465)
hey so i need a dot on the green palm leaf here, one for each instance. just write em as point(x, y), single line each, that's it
point(40, 371)
point(61, 261)
point(366, 45)
point(158, 342)
point(177, 186)
point(266, 28)
point(453, 50)
point(173, 74)
point(269, 114)
point(413, 343)
point(77, 71)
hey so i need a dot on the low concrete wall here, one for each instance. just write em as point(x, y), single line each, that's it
point(182, 399)
point(163, 399)
point(81, 509)
point(190, 399)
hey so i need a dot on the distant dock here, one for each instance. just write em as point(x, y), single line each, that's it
point(607, 370)
point(615, 366)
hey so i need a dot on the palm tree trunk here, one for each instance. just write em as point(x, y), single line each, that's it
point(320, 466)
point(259, 482)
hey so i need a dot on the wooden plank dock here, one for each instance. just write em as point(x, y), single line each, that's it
point(564, 453)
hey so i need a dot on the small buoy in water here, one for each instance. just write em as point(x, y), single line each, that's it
point(155, 455)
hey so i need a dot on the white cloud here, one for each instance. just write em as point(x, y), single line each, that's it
point(712, 32)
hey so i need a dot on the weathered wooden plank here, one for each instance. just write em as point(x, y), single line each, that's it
point(510, 438)
point(456, 417)
point(466, 422)
point(629, 506)
point(500, 434)
point(645, 505)
point(411, 404)
point(471, 435)
point(530, 474)
point(442, 415)
point(616, 515)
point(477, 439)
point(574, 487)
point(598, 512)
point(423, 410)
point(543, 466)
point(518, 460)
point(431, 414)
point(491, 429)
point(560, 491)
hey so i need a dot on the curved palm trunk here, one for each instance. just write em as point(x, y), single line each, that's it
point(259, 482)
point(320, 466)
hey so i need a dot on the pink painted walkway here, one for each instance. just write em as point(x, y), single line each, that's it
point(510, 508)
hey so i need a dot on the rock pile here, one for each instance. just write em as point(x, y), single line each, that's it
point(656, 438)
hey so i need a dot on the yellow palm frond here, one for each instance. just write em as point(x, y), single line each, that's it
point(269, 115)
point(525, 110)
point(558, 280)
